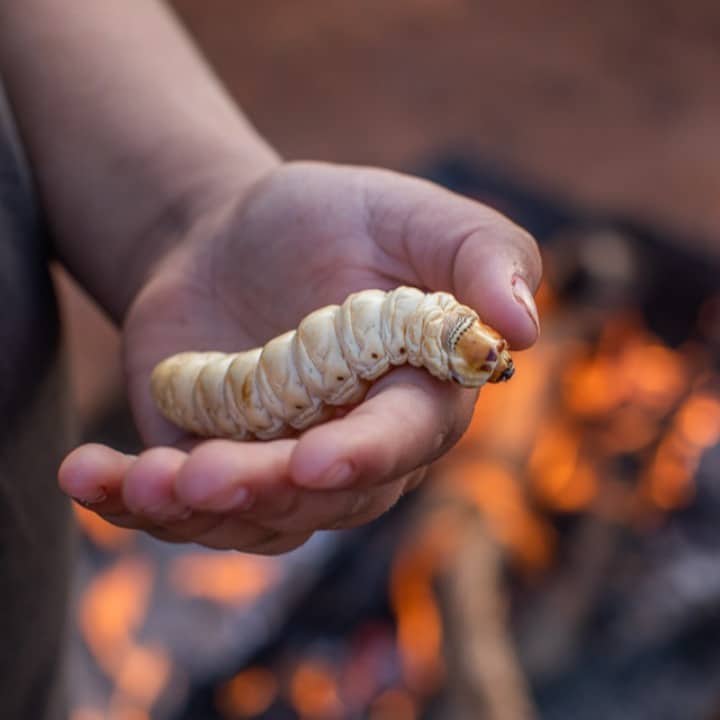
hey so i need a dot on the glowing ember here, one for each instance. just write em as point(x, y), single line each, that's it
point(669, 481)
point(698, 420)
point(560, 479)
point(249, 693)
point(569, 493)
point(656, 375)
point(592, 387)
point(224, 578)
point(629, 429)
point(112, 610)
point(496, 422)
point(417, 615)
point(497, 493)
point(419, 626)
point(627, 366)
point(144, 674)
point(314, 691)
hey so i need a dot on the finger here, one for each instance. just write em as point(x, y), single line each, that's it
point(93, 475)
point(149, 486)
point(408, 420)
point(489, 277)
point(276, 505)
point(225, 476)
point(251, 481)
point(456, 244)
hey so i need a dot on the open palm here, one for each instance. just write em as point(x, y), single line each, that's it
point(305, 236)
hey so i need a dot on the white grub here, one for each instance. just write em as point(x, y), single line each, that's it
point(297, 379)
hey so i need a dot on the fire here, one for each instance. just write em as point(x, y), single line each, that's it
point(655, 374)
point(419, 626)
point(223, 578)
point(592, 387)
point(496, 421)
point(560, 478)
point(669, 479)
point(144, 674)
point(496, 491)
point(698, 420)
point(112, 610)
point(529, 444)
point(629, 429)
point(111, 613)
point(248, 694)
point(314, 691)
point(417, 614)
point(627, 367)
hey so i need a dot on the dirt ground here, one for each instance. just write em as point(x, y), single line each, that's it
point(614, 104)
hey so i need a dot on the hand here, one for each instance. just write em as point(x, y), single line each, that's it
point(305, 236)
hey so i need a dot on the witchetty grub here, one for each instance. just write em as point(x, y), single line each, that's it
point(301, 378)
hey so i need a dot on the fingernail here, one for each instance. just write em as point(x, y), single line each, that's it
point(339, 475)
point(92, 500)
point(522, 294)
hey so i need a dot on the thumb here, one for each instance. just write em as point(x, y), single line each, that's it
point(448, 242)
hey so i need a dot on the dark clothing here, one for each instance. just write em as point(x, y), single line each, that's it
point(34, 516)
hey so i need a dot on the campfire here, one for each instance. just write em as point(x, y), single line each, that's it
point(563, 549)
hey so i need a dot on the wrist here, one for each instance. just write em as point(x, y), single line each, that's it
point(189, 213)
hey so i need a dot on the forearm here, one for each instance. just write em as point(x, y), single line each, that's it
point(129, 134)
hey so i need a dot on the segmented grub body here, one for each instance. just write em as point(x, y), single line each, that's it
point(299, 379)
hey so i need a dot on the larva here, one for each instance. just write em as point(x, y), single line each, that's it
point(297, 379)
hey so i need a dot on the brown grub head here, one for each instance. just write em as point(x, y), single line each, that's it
point(477, 353)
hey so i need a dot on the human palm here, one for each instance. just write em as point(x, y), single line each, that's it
point(305, 236)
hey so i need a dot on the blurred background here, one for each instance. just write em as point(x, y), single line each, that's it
point(563, 560)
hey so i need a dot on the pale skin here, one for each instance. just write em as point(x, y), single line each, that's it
point(186, 226)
